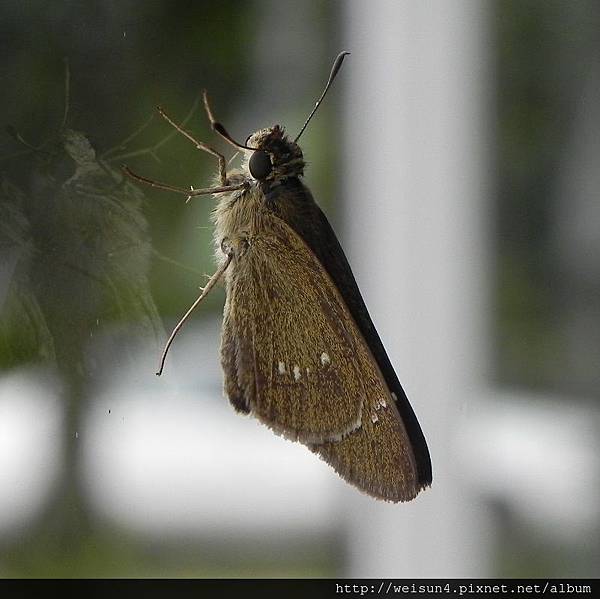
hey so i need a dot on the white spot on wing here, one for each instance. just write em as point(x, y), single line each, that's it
point(325, 359)
point(374, 418)
point(281, 367)
point(296, 373)
point(383, 403)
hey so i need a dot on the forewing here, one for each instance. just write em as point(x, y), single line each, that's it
point(288, 342)
point(378, 457)
point(297, 358)
point(296, 206)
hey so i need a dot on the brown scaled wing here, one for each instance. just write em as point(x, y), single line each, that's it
point(293, 356)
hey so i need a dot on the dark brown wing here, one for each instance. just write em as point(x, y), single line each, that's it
point(293, 202)
point(292, 349)
point(229, 360)
point(378, 457)
point(287, 341)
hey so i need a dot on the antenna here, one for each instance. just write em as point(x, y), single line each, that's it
point(334, 71)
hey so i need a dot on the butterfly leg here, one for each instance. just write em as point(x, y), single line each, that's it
point(200, 145)
point(187, 192)
point(205, 291)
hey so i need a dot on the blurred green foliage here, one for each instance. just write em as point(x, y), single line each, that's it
point(24, 333)
point(544, 52)
point(84, 249)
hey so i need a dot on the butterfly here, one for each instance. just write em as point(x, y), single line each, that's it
point(299, 350)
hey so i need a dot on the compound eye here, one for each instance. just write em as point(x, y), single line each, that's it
point(260, 165)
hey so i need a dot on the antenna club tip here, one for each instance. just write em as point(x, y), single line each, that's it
point(335, 68)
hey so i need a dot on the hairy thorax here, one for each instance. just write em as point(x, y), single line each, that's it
point(238, 218)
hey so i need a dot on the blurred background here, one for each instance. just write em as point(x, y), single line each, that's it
point(457, 158)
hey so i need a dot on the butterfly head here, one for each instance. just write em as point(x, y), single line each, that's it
point(273, 156)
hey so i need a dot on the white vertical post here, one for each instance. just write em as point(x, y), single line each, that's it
point(417, 201)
